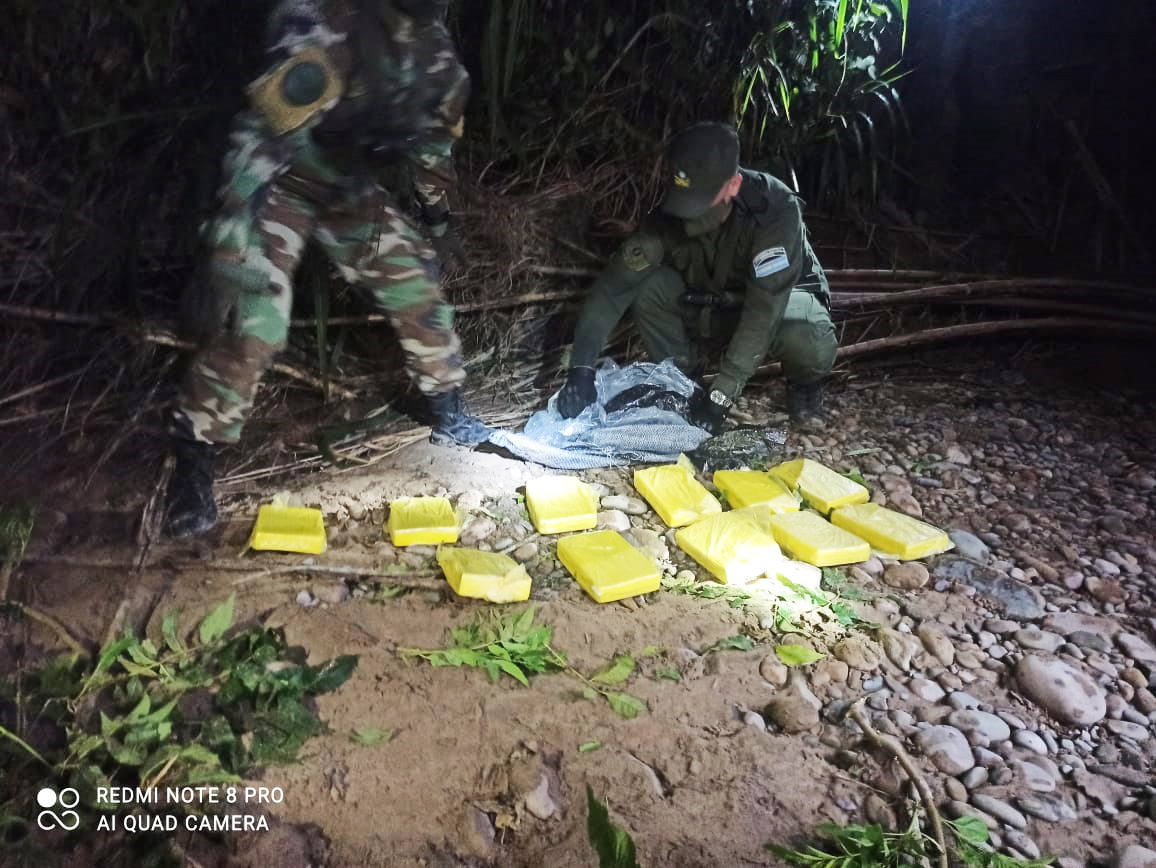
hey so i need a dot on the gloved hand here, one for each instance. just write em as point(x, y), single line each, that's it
point(708, 410)
point(449, 249)
point(578, 393)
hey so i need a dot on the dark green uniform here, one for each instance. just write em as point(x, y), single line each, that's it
point(760, 253)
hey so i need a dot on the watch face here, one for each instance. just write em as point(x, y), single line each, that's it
point(719, 398)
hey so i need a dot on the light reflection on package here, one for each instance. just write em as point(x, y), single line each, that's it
point(635, 434)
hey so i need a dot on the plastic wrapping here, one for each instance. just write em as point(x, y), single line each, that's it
point(741, 448)
point(484, 575)
point(892, 533)
point(797, 573)
point(823, 488)
point(674, 493)
point(559, 504)
point(735, 546)
point(811, 538)
point(649, 397)
point(745, 488)
point(608, 567)
point(422, 521)
point(635, 434)
point(288, 529)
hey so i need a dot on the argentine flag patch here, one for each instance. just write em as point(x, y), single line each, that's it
point(771, 261)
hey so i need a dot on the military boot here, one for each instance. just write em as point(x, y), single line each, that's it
point(189, 506)
point(805, 401)
point(452, 423)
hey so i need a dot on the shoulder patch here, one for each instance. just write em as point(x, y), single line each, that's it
point(771, 261)
point(633, 256)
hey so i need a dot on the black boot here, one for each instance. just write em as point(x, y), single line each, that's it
point(805, 402)
point(453, 424)
point(189, 506)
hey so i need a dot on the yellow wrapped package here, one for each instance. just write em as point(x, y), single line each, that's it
point(745, 488)
point(422, 521)
point(823, 487)
point(786, 576)
point(813, 539)
point(560, 504)
point(484, 575)
point(734, 546)
point(288, 529)
point(892, 533)
point(674, 493)
point(608, 567)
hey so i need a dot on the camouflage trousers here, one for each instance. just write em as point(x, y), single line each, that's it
point(254, 248)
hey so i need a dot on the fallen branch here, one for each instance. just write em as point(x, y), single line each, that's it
point(54, 625)
point(891, 744)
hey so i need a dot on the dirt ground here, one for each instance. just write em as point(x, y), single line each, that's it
point(484, 774)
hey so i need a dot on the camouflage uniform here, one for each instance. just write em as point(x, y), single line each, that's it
point(318, 180)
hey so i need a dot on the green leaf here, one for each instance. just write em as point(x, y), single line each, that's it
point(970, 829)
point(616, 672)
point(169, 628)
point(797, 655)
point(649, 651)
point(217, 621)
point(588, 746)
point(626, 705)
point(329, 676)
point(671, 673)
point(612, 843)
point(590, 693)
point(514, 672)
point(372, 736)
point(741, 642)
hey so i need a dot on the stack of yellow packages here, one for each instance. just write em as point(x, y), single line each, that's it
point(674, 493)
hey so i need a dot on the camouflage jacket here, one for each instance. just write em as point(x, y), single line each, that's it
point(409, 98)
point(759, 254)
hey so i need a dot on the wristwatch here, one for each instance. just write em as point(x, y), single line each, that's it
point(717, 397)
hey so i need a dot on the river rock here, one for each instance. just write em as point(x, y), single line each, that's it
point(906, 576)
point(970, 546)
point(947, 748)
point(1067, 623)
point(1017, 599)
point(1039, 640)
point(1034, 777)
point(899, 647)
point(858, 653)
point(988, 725)
point(774, 670)
point(613, 519)
point(1063, 691)
point(1028, 740)
point(1135, 856)
point(936, 642)
point(795, 709)
point(1049, 807)
point(1136, 648)
point(999, 809)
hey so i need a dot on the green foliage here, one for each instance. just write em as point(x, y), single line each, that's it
point(372, 736)
point(16, 523)
point(797, 655)
point(513, 644)
point(856, 475)
point(612, 843)
point(741, 642)
point(811, 85)
point(182, 713)
point(871, 846)
point(497, 644)
point(589, 746)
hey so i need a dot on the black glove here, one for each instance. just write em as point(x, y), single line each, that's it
point(449, 249)
point(578, 393)
point(708, 410)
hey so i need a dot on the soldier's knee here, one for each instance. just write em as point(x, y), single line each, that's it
point(659, 290)
point(807, 349)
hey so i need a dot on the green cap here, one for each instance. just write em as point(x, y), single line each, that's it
point(699, 161)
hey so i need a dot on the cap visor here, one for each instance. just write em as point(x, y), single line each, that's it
point(685, 204)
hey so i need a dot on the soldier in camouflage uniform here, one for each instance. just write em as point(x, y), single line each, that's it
point(722, 235)
point(349, 87)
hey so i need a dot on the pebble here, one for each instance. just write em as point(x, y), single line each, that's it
point(796, 708)
point(1135, 856)
point(1021, 842)
point(954, 789)
point(947, 748)
point(926, 690)
point(628, 505)
point(1061, 690)
point(538, 801)
point(1034, 777)
point(974, 778)
point(774, 670)
point(1136, 648)
point(1028, 740)
point(858, 653)
point(1090, 641)
point(969, 545)
point(332, 593)
point(613, 519)
point(755, 720)
point(907, 576)
point(999, 809)
point(1126, 729)
point(526, 552)
point(1049, 807)
point(958, 809)
point(936, 643)
point(961, 699)
point(900, 648)
point(1039, 640)
point(988, 725)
